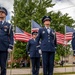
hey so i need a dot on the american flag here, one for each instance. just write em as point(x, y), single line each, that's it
point(34, 26)
point(68, 33)
point(21, 35)
point(60, 38)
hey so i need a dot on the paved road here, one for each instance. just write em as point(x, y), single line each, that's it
point(28, 71)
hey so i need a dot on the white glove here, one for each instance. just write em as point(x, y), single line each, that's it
point(29, 55)
point(40, 52)
point(9, 50)
point(55, 47)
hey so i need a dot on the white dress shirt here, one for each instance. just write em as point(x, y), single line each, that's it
point(48, 29)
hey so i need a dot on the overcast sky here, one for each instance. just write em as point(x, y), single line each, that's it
point(8, 4)
point(65, 6)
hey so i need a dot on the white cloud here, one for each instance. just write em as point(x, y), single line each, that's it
point(65, 6)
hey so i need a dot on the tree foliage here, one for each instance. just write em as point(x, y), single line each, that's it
point(26, 10)
point(59, 21)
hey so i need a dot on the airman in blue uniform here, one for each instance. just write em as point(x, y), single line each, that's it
point(33, 51)
point(73, 43)
point(48, 45)
point(6, 39)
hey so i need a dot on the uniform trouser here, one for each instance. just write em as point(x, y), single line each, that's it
point(35, 65)
point(3, 60)
point(48, 62)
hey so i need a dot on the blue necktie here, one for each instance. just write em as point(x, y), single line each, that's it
point(48, 29)
point(0, 22)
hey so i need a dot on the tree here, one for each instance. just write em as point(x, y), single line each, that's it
point(24, 12)
point(59, 21)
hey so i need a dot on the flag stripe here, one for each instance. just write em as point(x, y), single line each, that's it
point(61, 38)
point(21, 35)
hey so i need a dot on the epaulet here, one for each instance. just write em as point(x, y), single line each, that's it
point(10, 28)
point(54, 33)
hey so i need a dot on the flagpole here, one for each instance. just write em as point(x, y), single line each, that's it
point(30, 59)
point(31, 26)
point(65, 47)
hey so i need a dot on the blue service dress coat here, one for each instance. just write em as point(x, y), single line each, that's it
point(73, 41)
point(32, 48)
point(6, 36)
point(48, 40)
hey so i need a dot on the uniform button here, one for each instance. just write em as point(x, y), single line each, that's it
point(48, 41)
point(49, 38)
